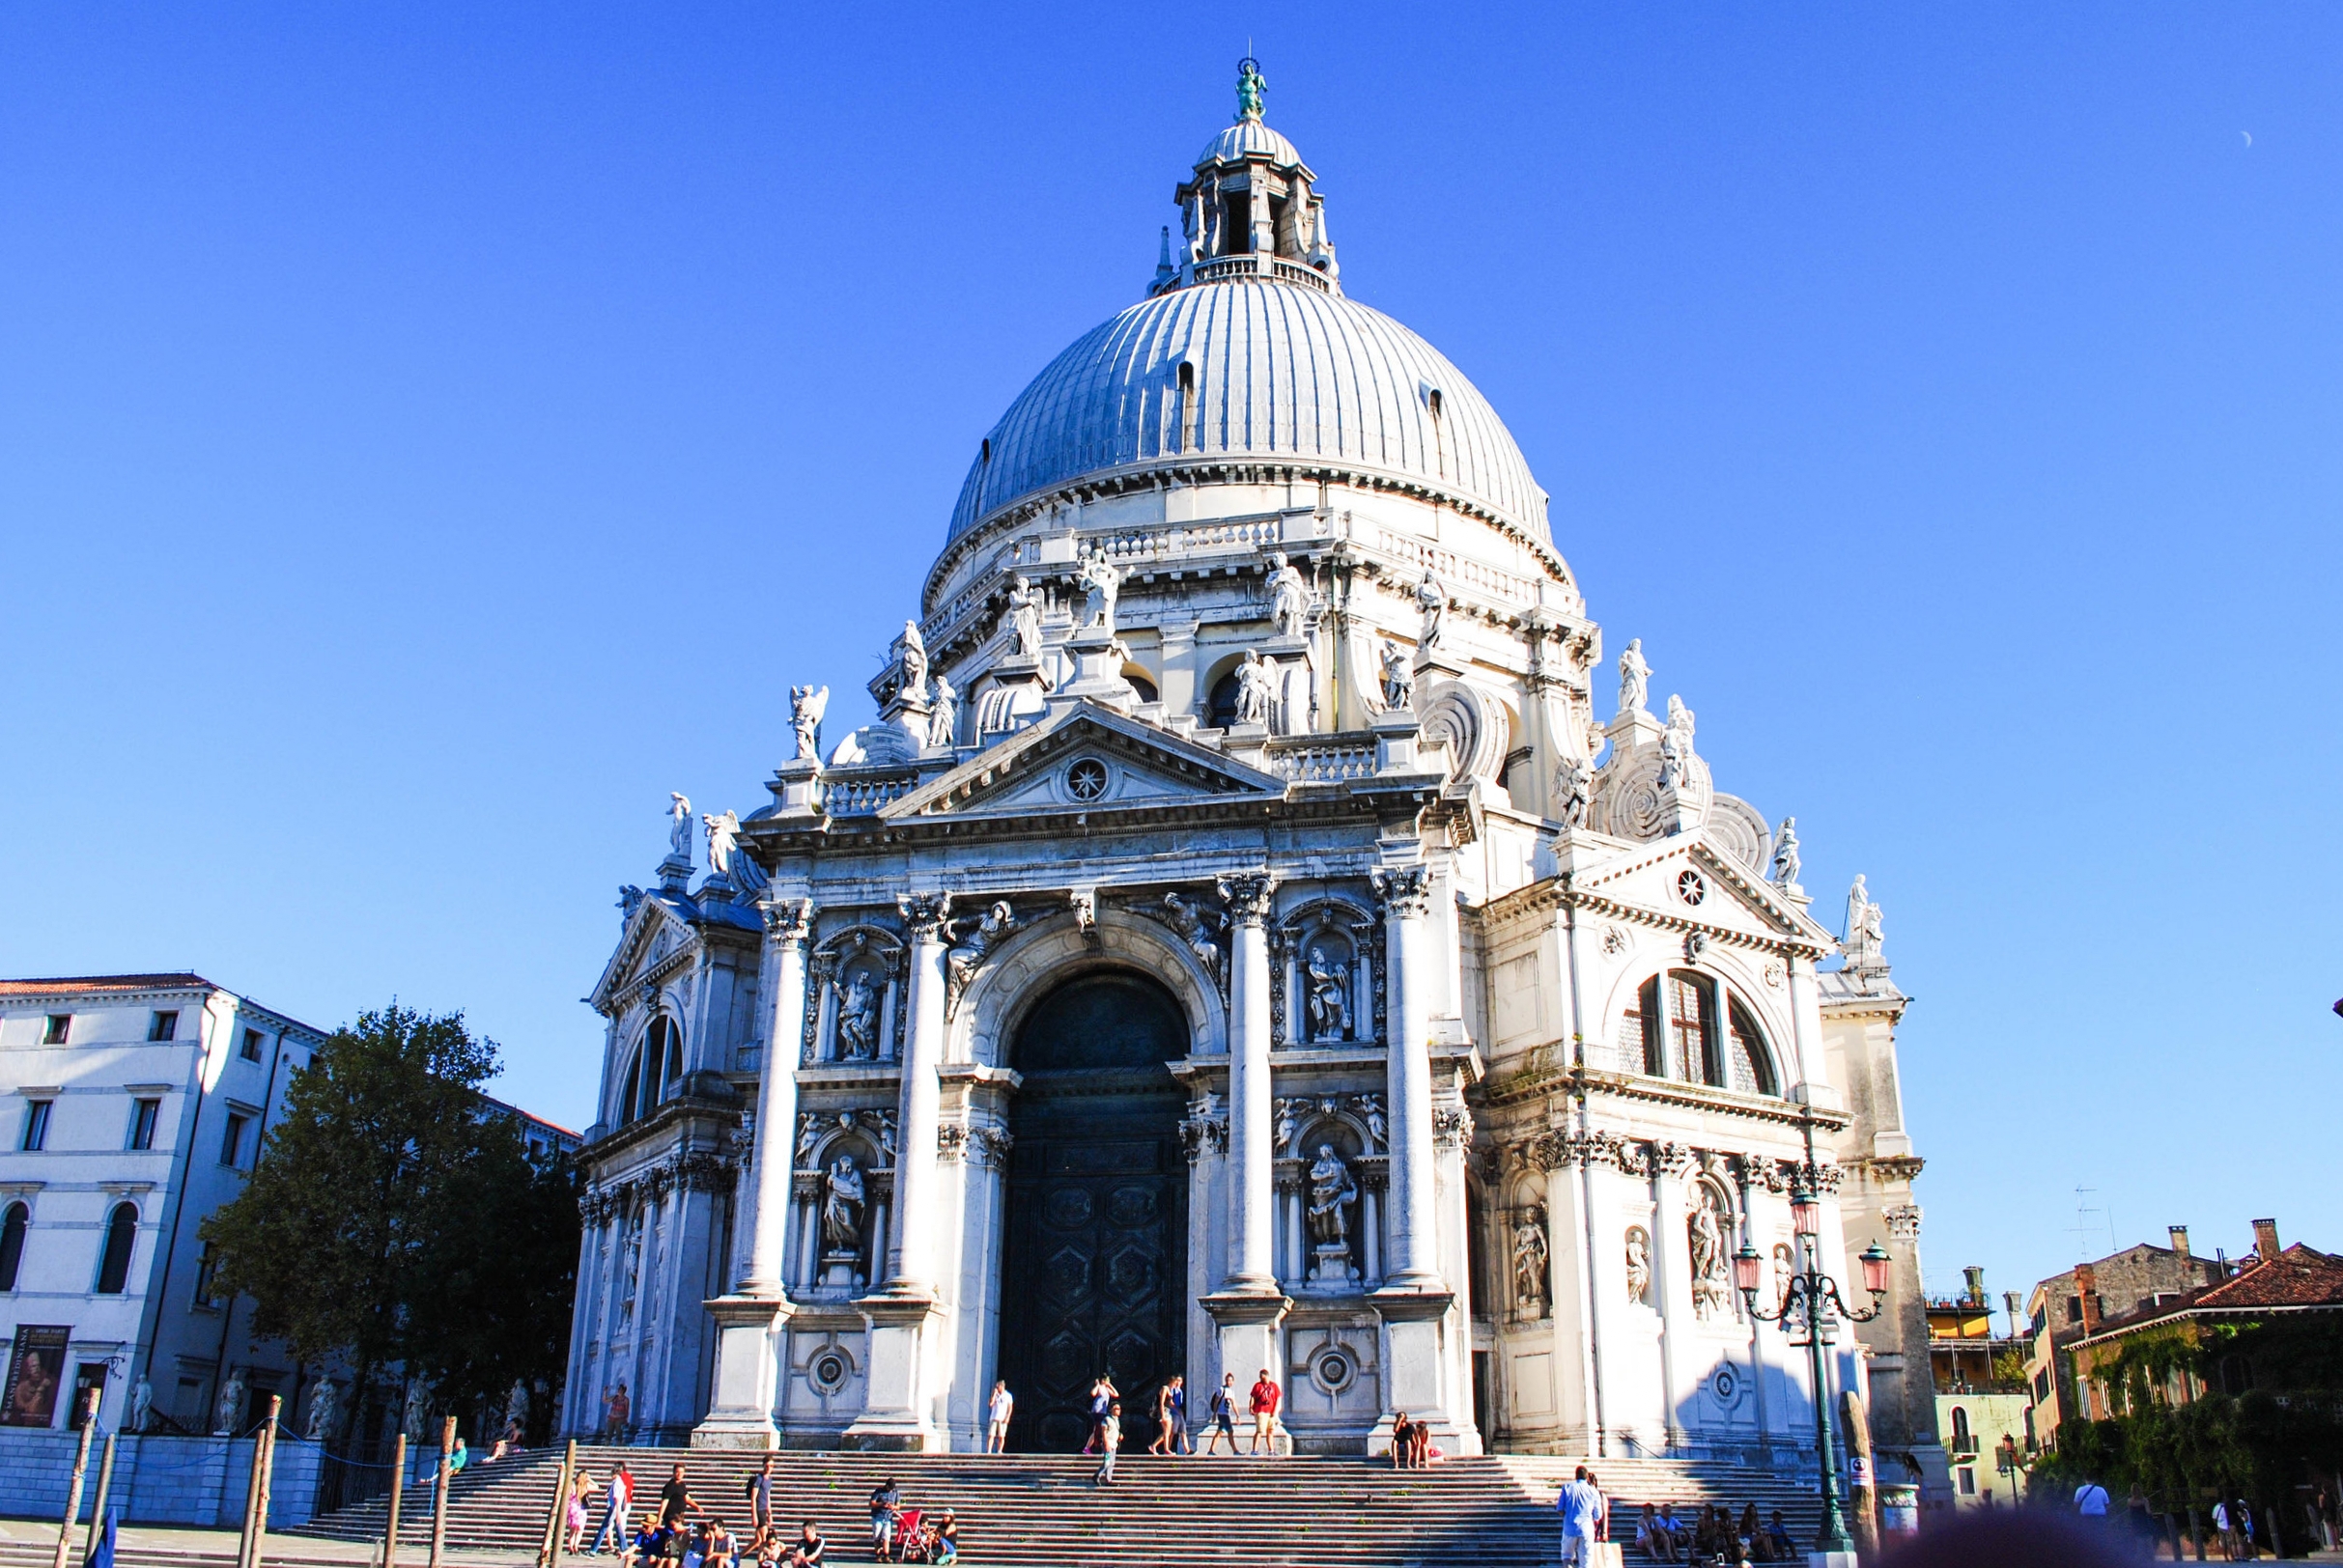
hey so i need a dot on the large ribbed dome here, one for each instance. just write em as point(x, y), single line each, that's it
point(1274, 371)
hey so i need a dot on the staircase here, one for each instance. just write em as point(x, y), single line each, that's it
point(1027, 1511)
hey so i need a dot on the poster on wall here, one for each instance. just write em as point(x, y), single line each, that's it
point(33, 1364)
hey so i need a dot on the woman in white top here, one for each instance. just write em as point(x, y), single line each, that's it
point(997, 1419)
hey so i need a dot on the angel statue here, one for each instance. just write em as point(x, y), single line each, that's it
point(1189, 919)
point(982, 934)
point(1634, 677)
point(1786, 854)
point(1100, 582)
point(1398, 677)
point(723, 832)
point(806, 705)
point(1573, 791)
point(679, 826)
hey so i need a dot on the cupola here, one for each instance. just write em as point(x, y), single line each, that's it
point(1251, 209)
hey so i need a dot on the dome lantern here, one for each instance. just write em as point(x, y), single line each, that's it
point(1250, 208)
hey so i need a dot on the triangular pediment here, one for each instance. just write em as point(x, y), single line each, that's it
point(1086, 759)
point(1652, 877)
point(655, 932)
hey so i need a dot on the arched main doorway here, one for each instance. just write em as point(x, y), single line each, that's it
point(1094, 1270)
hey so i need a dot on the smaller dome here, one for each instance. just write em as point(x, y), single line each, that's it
point(1248, 138)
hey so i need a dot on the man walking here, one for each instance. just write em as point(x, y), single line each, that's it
point(613, 1529)
point(1265, 1397)
point(997, 1418)
point(1220, 1413)
point(1581, 1507)
point(1110, 1439)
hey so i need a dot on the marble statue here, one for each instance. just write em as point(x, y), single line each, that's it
point(1786, 854)
point(858, 1019)
point(418, 1406)
point(1639, 1264)
point(1024, 619)
point(982, 933)
point(1863, 931)
point(1254, 689)
point(1100, 583)
point(1784, 1267)
point(809, 1134)
point(1711, 1291)
point(1530, 1263)
point(1377, 1128)
point(1398, 677)
point(1288, 596)
point(1331, 1192)
point(842, 1204)
point(1634, 677)
point(324, 1405)
point(231, 1411)
point(1432, 599)
point(1328, 994)
point(1679, 724)
point(679, 827)
point(1280, 1136)
point(944, 719)
point(806, 705)
point(1676, 746)
point(142, 1404)
point(1573, 791)
point(1189, 919)
point(911, 659)
point(723, 832)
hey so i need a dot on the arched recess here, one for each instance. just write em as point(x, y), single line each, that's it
point(1218, 706)
point(1334, 944)
point(651, 1074)
point(114, 1259)
point(1021, 971)
point(13, 1226)
point(1711, 1226)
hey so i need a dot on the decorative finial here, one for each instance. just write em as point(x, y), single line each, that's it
point(1251, 84)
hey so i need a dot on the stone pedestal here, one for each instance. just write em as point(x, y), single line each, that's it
point(796, 787)
point(1245, 1326)
point(839, 1274)
point(1412, 1328)
point(1099, 661)
point(747, 1378)
point(1330, 1264)
point(1396, 732)
point(895, 1419)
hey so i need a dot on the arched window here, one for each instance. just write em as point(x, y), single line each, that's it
point(656, 1067)
point(13, 1228)
point(114, 1265)
point(1184, 413)
point(1752, 1062)
point(1678, 1013)
point(1961, 1441)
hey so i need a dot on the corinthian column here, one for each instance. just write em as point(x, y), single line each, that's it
point(1251, 1210)
point(920, 1106)
point(1413, 1259)
point(788, 921)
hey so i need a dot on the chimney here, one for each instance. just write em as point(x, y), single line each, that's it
point(2180, 1239)
point(1975, 1277)
point(2086, 1286)
point(2266, 1239)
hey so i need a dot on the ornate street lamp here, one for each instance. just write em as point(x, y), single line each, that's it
point(1811, 1297)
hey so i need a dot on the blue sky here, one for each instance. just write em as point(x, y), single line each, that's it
point(429, 434)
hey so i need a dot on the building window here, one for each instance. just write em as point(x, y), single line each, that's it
point(207, 1273)
point(1752, 1062)
point(1962, 1443)
point(35, 1125)
point(1677, 1013)
point(144, 1114)
point(2074, 1309)
point(232, 1141)
point(252, 1045)
point(2042, 1390)
point(1969, 1482)
point(114, 1264)
point(12, 1226)
point(163, 1027)
point(657, 1065)
point(60, 1024)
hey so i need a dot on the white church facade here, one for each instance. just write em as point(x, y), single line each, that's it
point(1240, 943)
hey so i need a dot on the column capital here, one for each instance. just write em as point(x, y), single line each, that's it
point(927, 914)
point(787, 920)
point(1248, 894)
point(1405, 890)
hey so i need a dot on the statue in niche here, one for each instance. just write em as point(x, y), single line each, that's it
point(679, 826)
point(911, 659)
point(1254, 690)
point(1024, 619)
point(982, 933)
point(323, 1402)
point(1783, 1269)
point(1785, 853)
point(1704, 1232)
point(1432, 599)
point(1331, 1192)
point(842, 1206)
point(858, 1019)
point(943, 720)
point(1530, 1265)
point(1634, 677)
point(230, 1412)
point(1328, 995)
point(1398, 677)
point(1188, 917)
point(723, 832)
point(1100, 582)
point(806, 705)
point(1639, 1264)
point(1573, 791)
point(1288, 596)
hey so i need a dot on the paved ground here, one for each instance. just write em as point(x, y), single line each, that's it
point(24, 1540)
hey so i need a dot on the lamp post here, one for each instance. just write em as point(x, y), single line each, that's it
point(1812, 1295)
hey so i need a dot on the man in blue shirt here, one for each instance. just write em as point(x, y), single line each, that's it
point(1581, 1508)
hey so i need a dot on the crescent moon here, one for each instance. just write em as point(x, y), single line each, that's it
point(2249, 135)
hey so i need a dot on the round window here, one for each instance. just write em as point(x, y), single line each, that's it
point(1724, 1383)
point(1087, 779)
point(829, 1371)
point(1691, 888)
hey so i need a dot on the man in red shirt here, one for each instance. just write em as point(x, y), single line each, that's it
point(1265, 1397)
